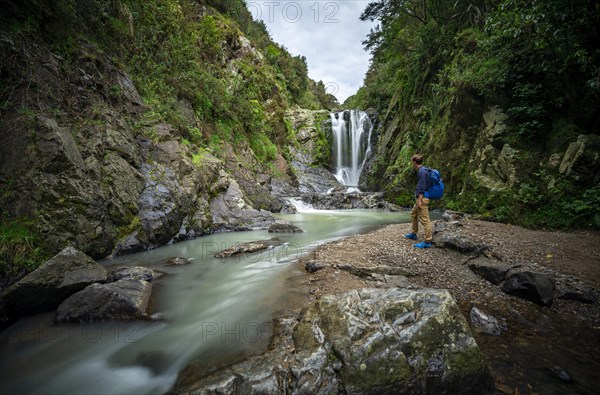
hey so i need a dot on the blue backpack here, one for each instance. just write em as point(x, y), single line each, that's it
point(436, 185)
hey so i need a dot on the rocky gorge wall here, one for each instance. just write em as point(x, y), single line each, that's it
point(83, 163)
point(489, 172)
point(130, 124)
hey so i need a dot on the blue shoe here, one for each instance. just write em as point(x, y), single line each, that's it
point(423, 244)
point(411, 236)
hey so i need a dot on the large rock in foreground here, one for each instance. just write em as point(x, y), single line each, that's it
point(368, 341)
point(121, 300)
point(45, 288)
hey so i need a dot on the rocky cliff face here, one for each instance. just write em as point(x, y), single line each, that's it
point(78, 174)
point(311, 151)
point(128, 125)
point(80, 157)
point(487, 170)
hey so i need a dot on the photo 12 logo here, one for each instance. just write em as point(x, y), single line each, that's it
point(121, 332)
point(294, 11)
point(235, 332)
point(332, 88)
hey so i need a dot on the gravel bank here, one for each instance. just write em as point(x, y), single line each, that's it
point(537, 339)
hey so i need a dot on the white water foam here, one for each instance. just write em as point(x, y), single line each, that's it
point(301, 206)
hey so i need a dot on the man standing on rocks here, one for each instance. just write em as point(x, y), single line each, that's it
point(420, 211)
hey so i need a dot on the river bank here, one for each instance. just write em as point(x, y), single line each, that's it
point(538, 341)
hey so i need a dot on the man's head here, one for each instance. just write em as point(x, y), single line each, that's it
point(417, 161)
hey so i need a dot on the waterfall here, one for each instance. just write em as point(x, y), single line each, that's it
point(351, 145)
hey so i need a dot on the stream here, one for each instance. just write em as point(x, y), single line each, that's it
point(212, 310)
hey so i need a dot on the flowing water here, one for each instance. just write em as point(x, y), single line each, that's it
point(351, 145)
point(212, 310)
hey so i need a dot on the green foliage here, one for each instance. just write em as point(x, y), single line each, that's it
point(404, 199)
point(529, 194)
point(323, 98)
point(115, 92)
point(214, 143)
point(473, 64)
point(322, 154)
point(550, 59)
point(195, 134)
point(20, 247)
point(528, 113)
point(359, 100)
point(583, 210)
point(211, 37)
point(438, 66)
point(185, 52)
point(133, 226)
point(264, 150)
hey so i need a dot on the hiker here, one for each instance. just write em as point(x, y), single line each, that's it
point(420, 211)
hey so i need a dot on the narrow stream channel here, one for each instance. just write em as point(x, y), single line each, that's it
point(213, 310)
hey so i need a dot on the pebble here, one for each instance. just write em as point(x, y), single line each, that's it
point(561, 374)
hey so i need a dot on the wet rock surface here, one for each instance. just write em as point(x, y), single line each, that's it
point(458, 242)
point(492, 270)
point(230, 210)
point(312, 177)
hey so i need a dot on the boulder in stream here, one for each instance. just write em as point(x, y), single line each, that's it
point(178, 261)
point(246, 248)
point(121, 300)
point(45, 288)
point(230, 210)
point(284, 226)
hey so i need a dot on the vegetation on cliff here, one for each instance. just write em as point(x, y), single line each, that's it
point(90, 89)
point(208, 53)
point(502, 96)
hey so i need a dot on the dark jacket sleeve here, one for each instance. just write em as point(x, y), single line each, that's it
point(422, 181)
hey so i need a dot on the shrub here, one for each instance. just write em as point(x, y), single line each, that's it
point(20, 248)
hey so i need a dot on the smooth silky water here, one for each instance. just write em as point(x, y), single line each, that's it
point(212, 310)
point(351, 145)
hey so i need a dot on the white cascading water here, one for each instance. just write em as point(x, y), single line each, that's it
point(301, 206)
point(352, 145)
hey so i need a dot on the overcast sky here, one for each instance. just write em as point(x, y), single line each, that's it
point(328, 33)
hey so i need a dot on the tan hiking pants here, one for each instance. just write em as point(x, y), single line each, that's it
point(422, 215)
